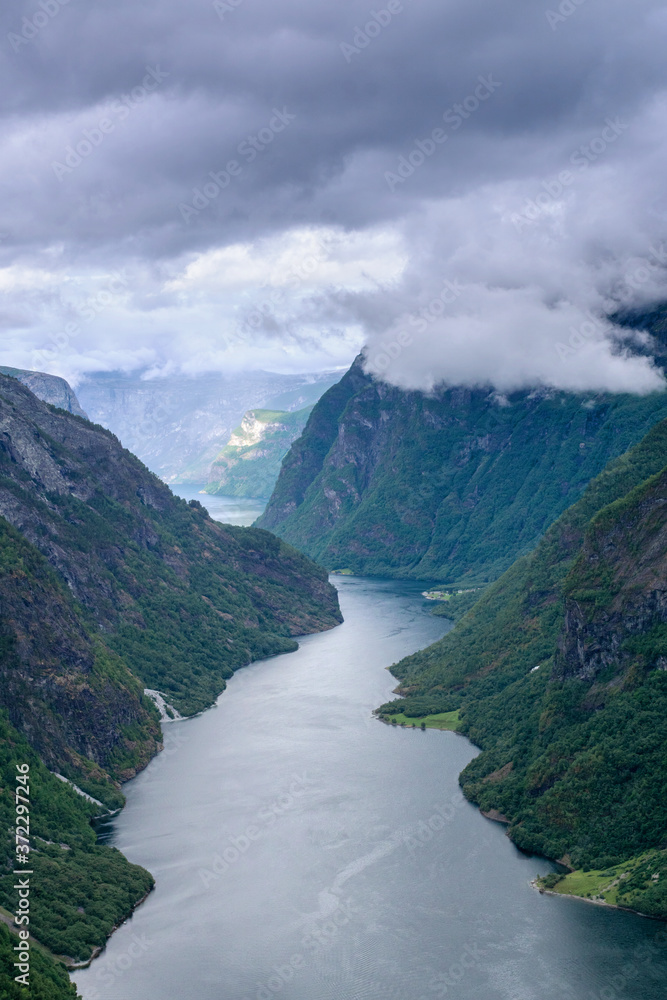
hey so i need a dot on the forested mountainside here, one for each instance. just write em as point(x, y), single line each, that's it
point(452, 486)
point(49, 388)
point(109, 584)
point(560, 676)
point(249, 464)
point(184, 599)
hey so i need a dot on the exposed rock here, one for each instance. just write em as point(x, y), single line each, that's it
point(102, 575)
point(617, 591)
point(249, 465)
point(49, 388)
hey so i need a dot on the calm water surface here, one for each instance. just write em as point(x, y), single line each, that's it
point(304, 850)
point(231, 510)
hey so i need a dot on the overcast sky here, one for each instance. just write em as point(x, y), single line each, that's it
point(466, 187)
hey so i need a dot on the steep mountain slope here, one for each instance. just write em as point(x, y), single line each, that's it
point(177, 424)
point(182, 598)
point(109, 583)
point(559, 675)
point(450, 487)
point(49, 388)
point(249, 464)
point(48, 981)
point(73, 698)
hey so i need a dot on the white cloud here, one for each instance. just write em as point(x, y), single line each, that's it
point(512, 283)
point(242, 306)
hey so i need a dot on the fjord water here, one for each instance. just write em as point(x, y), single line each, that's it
point(304, 850)
point(231, 510)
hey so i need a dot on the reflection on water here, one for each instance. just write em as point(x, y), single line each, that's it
point(306, 851)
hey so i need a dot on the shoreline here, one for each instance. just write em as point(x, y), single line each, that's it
point(70, 963)
point(496, 817)
point(596, 902)
point(99, 949)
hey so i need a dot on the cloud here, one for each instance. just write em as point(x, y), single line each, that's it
point(422, 147)
point(515, 282)
point(245, 305)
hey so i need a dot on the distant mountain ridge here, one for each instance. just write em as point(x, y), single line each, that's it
point(249, 465)
point(178, 424)
point(49, 388)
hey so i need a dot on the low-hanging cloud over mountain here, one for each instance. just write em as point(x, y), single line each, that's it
point(467, 188)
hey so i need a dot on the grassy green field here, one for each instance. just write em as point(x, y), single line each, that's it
point(625, 885)
point(444, 720)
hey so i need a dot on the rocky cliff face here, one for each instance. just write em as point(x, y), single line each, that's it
point(182, 599)
point(452, 486)
point(75, 701)
point(616, 593)
point(249, 465)
point(49, 388)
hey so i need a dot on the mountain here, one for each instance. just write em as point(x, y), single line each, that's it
point(177, 424)
point(109, 584)
point(186, 599)
point(451, 486)
point(559, 674)
point(249, 465)
point(49, 388)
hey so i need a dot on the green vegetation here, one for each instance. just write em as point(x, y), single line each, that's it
point(249, 465)
point(48, 979)
point(558, 674)
point(183, 600)
point(444, 720)
point(79, 891)
point(109, 584)
point(458, 604)
point(62, 685)
point(454, 486)
point(639, 883)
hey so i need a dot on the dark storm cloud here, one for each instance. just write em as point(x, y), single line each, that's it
point(225, 76)
point(121, 118)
